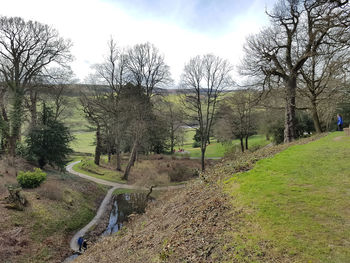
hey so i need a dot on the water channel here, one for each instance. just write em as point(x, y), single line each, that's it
point(123, 206)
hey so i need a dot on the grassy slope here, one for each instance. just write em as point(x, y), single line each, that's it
point(298, 203)
point(99, 172)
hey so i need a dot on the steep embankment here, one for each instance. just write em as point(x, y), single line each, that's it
point(293, 207)
point(74, 241)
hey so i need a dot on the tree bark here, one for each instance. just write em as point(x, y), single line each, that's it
point(131, 161)
point(16, 123)
point(172, 139)
point(33, 98)
point(203, 158)
point(118, 154)
point(98, 146)
point(119, 161)
point(289, 124)
point(315, 117)
point(246, 142)
point(242, 144)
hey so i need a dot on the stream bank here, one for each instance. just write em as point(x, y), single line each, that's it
point(104, 205)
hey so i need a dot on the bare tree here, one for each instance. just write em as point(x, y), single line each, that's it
point(112, 73)
point(172, 117)
point(237, 118)
point(95, 115)
point(324, 76)
point(147, 68)
point(277, 54)
point(136, 109)
point(51, 87)
point(26, 49)
point(203, 80)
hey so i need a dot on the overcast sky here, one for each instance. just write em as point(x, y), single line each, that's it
point(181, 29)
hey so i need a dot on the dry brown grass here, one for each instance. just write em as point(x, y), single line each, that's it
point(161, 171)
point(49, 190)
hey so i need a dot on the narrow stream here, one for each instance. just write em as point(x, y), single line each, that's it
point(123, 206)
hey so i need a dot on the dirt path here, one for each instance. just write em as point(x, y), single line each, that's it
point(74, 241)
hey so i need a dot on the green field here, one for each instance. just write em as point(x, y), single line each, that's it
point(84, 142)
point(215, 149)
point(297, 204)
point(76, 119)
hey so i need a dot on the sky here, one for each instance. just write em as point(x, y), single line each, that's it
point(180, 29)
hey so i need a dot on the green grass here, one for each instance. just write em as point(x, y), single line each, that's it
point(298, 202)
point(215, 149)
point(98, 171)
point(76, 121)
point(84, 142)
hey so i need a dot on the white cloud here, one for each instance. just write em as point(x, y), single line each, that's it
point(90, 23)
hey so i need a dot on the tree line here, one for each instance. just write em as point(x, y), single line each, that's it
point(295, 74)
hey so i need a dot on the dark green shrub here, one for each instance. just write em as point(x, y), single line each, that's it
point(197, 139)
point(49, 141)
point(31, 179)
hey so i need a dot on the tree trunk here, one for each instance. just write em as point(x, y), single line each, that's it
point(5, 132)
point(131, 161)
point(203, 158)
point(98, 146)
point(242, 144)
point(315, 117)
point(109, 157)
point(118, 154)
point(16, 123)
point(289, 122)
point(246, 142)
point(33, 109)
point(119, 161)
point(172, 140)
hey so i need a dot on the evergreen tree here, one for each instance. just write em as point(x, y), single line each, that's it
point(48, 142)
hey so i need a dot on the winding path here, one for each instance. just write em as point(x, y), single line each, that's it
point(74, 241)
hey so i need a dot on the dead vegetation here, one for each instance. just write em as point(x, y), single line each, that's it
point(162, 171)
point(185, 226)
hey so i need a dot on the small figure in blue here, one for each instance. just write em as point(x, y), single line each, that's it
point(80, 242)
point(339, 122)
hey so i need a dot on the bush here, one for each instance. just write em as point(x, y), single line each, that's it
point(181, 173)
point(50, 191)
point(31, 179)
